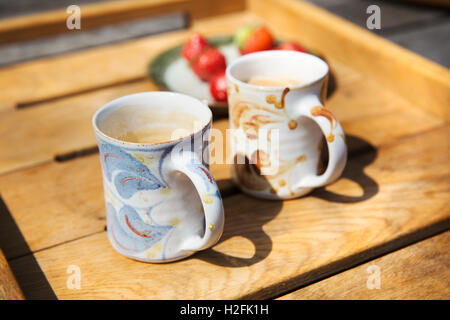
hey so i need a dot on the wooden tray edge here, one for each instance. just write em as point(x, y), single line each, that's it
point(417, 79)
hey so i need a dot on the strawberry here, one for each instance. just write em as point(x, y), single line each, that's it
point(242, 34)
point(210, 62)
point(252, 39)
point(218, 86)
point(291, 46)
point(194, 47)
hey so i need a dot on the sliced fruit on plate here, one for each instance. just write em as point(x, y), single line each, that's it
point(218, 87)
point(210, 62)
point(242, 34)
point(194, 47)
point(253, 38)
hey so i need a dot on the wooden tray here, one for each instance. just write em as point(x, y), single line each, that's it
point(393, 104)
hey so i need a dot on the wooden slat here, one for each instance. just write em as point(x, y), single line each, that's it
point(270, 247)
point(396, 68)
point(99, 14)
point(9, 289)
point(419, 271)
point(64, 126)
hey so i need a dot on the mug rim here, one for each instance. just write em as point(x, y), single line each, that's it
point(121, 101)
point(253, 55)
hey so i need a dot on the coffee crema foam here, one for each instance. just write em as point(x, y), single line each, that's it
point(137, 125)
point(156, 134)
point(273, 81)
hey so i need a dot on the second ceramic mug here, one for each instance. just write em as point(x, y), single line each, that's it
point(162, 203)
point(296, 112)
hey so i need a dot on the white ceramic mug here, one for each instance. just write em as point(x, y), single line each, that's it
point(297, 114)
point(162, 202)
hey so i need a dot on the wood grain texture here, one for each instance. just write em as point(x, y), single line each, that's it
point(394, 67)
point(270, 247)
point(103, 13)
point(9, 289)
point(64, 126)
point(419, 271)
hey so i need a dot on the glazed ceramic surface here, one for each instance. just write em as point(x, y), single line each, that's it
point(162, 203)
point(290, 120)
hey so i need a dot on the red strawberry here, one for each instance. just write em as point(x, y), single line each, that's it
point(210, 62)
point(290, 46)
point(260, 39)
point(218, 86)
point(194, 47)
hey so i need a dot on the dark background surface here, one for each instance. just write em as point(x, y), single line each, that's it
point(422, 29)
point(419, 28)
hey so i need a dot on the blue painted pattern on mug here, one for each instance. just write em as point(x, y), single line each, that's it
point(133, 175)
point(130, 233)
point(196, 167)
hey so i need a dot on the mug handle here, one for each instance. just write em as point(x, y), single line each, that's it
point(187, 162)
point(312, 108)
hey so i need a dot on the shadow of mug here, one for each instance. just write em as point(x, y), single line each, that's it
point(361, 154)
point(248, 218)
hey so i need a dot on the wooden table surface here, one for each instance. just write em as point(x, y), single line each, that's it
point(390, 209)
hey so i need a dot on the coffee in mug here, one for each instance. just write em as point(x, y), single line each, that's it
point(266, 81)
point(148, 125)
